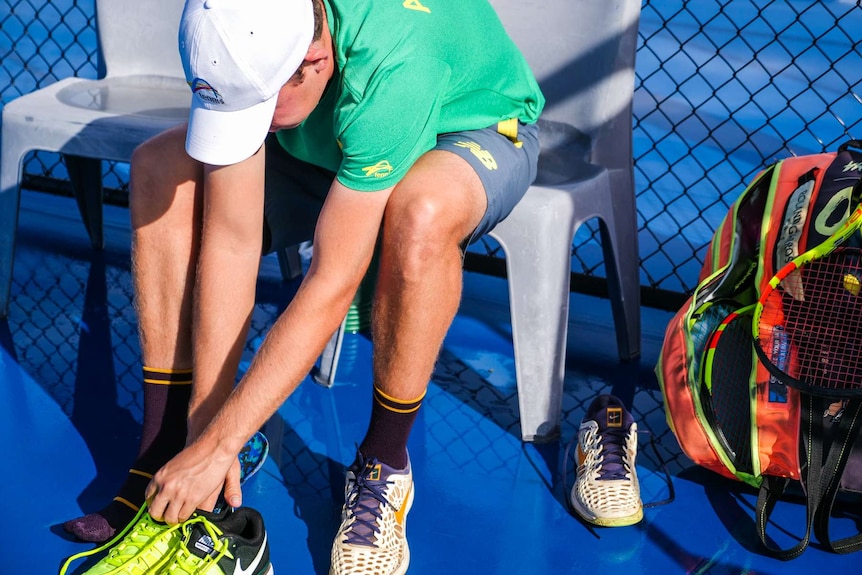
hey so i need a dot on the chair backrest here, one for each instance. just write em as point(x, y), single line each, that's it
point(583, 54)
point(137, 37)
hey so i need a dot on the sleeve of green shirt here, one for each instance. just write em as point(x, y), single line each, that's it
point(385, 129)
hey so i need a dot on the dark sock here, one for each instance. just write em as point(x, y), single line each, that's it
point(163, 435)
point(391, 422)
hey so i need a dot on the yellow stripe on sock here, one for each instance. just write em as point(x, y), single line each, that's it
point(126, 502)
point(161, 370)
point(141, 473)
point(167, 371)
point(401, 401)
point(390, 408)
point(411, 405)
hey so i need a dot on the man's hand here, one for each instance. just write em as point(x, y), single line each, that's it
point(191, 480)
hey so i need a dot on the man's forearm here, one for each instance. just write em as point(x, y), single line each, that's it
point(281, 363)
point(346, 234)
point(227, 271)
point(223, 305)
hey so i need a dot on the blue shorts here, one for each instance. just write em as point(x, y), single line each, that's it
point(295, 190)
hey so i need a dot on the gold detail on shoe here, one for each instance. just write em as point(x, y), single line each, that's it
point(401, 512)
point(126, 502)
point(141, 473)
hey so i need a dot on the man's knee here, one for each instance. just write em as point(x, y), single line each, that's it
point(420, 232)
point(164, 155)
point(159, 171)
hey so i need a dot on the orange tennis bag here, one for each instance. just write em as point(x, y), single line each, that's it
point(726, 411)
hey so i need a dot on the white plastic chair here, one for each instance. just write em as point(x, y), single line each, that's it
point(142, 92)
point(583, 55)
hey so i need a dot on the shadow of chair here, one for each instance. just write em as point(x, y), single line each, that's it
point(583, 55)
point(142, 92)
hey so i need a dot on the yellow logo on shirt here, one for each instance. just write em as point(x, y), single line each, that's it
point(415, 5)
point(379, 170)
point(484, 155)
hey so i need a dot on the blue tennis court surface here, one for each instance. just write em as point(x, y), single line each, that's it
point(70, 411)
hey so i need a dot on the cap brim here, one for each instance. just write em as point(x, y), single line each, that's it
point(223, 138)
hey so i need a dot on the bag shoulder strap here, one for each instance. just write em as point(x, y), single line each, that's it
point(847, 432)
point(773, 488)
point(820, 478)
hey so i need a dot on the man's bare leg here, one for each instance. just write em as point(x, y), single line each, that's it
point(165, 206)
point(418, 292)
point(197, 245)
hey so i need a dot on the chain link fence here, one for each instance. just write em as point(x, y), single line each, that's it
point(723, 87)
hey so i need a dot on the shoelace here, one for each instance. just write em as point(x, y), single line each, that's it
point(186, 563)
point(365, 500)
point(137, 538)
point(611, 462)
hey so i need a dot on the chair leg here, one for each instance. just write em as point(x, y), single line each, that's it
point(539, 303)
point(85, 174)
point(10, 194)
point(324, 373)
point(624, 292)
point(289, 262)
point(622, 266)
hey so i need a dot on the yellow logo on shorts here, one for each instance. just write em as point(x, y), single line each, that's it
point(484, 155)
point(379, 170)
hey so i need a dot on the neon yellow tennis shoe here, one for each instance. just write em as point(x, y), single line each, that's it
point(144, 546)
point(228, 544)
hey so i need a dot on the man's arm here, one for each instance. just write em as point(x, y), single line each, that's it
point(343, 246)
point(227, 270)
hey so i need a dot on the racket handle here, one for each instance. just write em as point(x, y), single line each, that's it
point(780, 348)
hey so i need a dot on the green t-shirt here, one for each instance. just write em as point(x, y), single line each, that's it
point(408, 70)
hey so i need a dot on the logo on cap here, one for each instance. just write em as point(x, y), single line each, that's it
point(203, 90)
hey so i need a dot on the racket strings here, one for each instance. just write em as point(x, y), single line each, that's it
point(728, 394)
point(811, 325)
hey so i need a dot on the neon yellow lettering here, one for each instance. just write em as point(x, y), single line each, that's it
point(415, 5)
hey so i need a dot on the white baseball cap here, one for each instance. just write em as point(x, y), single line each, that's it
point(237, 55)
